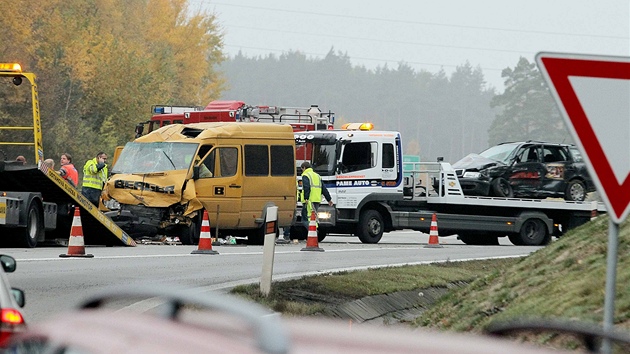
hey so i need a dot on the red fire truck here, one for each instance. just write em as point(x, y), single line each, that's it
point(301, 119)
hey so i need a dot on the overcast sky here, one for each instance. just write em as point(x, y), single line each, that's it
point(427, 35)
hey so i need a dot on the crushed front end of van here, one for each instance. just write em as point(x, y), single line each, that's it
point(161, 182)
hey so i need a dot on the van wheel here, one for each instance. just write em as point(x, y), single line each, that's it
point(534, 233)
point(185, 234)
point(575, 191)
point(34, 230)
point(371, 226)
point(502, 188)
point(189, 234)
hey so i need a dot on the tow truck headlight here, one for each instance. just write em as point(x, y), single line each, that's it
point(471, 174)
point(322, 215)
point(111, 204)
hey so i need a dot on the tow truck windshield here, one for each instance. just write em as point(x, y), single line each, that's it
point(155, 157)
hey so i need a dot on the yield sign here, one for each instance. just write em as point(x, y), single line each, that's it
point(593, 94)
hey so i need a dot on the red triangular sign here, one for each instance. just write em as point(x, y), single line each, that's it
point(593, 94)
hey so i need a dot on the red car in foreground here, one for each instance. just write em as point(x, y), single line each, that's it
point(179, 322)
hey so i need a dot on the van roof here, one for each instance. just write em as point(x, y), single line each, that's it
point(219, 130)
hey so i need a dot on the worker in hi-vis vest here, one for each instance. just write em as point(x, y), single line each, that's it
point(312, 191)
point(94, 178)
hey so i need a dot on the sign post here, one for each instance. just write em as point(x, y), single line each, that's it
point(593, 95)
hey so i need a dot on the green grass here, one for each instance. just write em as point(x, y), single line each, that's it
point(564, 280)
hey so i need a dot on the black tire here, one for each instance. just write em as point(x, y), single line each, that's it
point(575, 191)
point(534, 233)
point(321, 235)
point(34, 230)
point(371, 226)
point(185, 234)
point(478, 239)
point(501, 187)
point(256, 237)
point(297, 233)
point(189, 234)
point(516, 239)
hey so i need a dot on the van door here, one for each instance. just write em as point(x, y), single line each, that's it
point(220, 186)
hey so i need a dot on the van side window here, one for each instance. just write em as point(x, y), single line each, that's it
point(228, 160)
point(282, 160)
point(257, 160)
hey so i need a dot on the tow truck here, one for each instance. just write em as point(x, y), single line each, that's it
point(363, 170)
point(36, 204)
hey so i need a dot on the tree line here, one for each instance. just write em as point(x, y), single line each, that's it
point(101, 64)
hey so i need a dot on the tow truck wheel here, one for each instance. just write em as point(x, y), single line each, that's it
point(34, 227)
point(371, 226)
point(534, 233)
point(321, 235)
point(516, 239)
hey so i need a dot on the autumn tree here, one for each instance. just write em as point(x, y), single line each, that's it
point(101, 64)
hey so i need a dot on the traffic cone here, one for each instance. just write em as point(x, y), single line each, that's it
point(433, 234)
point(311, 239)
point(205, 239)
point(76, 245)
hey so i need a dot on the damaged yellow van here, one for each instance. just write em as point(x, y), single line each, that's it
point(161, 182)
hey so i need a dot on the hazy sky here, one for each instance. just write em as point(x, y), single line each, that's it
point(427, 35)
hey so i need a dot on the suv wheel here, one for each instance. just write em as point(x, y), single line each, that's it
point(501, 188)
point(575, 191)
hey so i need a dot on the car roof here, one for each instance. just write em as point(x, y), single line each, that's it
point(537, 142)
point(105, 331)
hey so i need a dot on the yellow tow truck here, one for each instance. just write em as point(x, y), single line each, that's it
point(36, 204)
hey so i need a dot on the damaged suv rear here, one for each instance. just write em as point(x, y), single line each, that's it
point(526, 169)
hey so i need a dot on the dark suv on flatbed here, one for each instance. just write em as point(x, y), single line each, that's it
point(528, 169)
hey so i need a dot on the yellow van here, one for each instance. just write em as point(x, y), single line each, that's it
point(161, 182)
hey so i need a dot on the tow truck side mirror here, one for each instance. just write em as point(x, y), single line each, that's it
point(195, 172)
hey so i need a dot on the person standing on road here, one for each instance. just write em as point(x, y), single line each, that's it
point(68, 171)
point(312, 191)
point(94, 177)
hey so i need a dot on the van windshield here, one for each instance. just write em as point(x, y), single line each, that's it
point(155, 157)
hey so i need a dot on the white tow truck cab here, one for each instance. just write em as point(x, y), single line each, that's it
point(363, 170)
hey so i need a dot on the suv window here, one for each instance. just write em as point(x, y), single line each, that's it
point(528, 154)
point(554, 154)
point(576, 154)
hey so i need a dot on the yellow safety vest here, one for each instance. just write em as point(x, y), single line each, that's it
point(316, 186)
point(93, 178)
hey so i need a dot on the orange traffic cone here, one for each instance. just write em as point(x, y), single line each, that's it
point(205, 239)
point(76, 245)
point(433, 234)
point(311, 239)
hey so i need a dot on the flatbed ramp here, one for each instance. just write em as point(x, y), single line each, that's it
point(98, 229)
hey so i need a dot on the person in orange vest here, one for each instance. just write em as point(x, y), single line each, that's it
point(312, 191)
point(68, 171)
